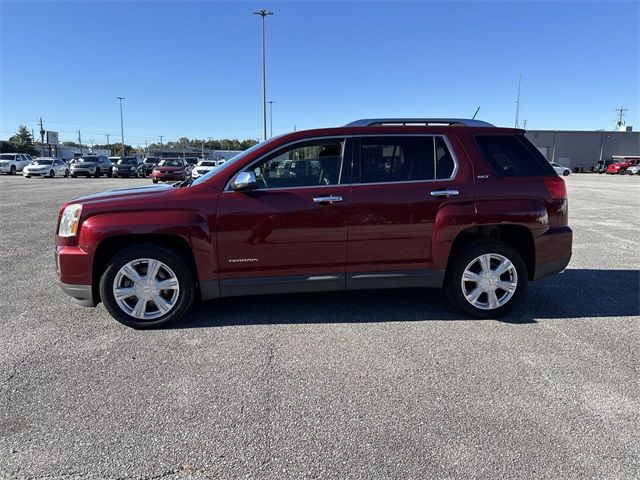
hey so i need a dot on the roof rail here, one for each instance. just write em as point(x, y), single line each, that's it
point(369, 122)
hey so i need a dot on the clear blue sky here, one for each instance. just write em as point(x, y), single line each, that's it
point(193, 68)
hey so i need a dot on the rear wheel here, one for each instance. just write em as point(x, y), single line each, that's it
point(487, 279)
point(97, 173)
point(566, 173)
point(52, 174)
point(155, 181)
point(66, 173)
point(74, 176)
point(13, 170)
point(147, 286)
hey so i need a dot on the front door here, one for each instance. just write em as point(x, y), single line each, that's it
point(290, 234)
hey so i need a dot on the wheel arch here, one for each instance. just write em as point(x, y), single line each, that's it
point(108, 247)
point(518, 237)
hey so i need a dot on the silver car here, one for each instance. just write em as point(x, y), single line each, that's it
point(91, 166)
point(633, 170)
point(46, 167)
point(560, 170)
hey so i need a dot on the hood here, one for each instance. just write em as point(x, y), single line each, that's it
point(135, 193)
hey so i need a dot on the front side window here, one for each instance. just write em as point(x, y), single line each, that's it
point(404, 159)
point(303, 165)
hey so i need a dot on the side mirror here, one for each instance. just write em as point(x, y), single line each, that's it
point(244, 181)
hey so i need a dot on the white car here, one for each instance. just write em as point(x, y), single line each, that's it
point(203, 167)
point(11, 163)
point(560, 170)
point(633, 170)
point(46, 167)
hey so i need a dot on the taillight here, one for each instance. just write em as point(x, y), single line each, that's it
point(556, 188)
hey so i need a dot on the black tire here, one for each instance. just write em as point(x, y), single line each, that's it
point(97, 174)
point(74, 176)
point(66, 173)
point(155, 181)
point(52, 174)
point(13, 170)
point(110, 173)
point(27, 176)
point(463, 257)
point(167, 256)
point(566, 173)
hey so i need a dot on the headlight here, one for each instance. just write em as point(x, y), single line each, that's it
point(70, 220)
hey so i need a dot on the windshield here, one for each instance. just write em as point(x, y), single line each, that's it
point(127, 161)
point(230, 162)
point(42, 162)
point(88, 159)
point(170, 163)
point(207, 164)
point(151, 160)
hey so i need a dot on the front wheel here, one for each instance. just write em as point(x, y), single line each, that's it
point(566, 173)
point(147, 286)
point(155, 181)
point(66, 173)
point(487, 279)
point(52, 174)
point(97, 173)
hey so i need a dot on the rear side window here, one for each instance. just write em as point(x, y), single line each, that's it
point(404, 159)
point(513, 156)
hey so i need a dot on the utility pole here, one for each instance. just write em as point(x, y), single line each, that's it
point(524, 125)
point(263, 13)
point(41, 131)
point(620, 121)
point(91, 142)
point(107, 134)
point(121, 124)
point(271, 102)
point(80, 142)
point(161, 137)
point(517, 124)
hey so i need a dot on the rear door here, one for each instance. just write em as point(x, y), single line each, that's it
point(400, 183)
point(291, 233)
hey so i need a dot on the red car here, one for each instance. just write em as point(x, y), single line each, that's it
point(380, 203)
point(170, 169)
point(621, 167)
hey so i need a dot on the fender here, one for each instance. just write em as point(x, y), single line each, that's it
point(189, 225)
point(454, 218)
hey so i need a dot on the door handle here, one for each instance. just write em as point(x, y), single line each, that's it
point(444, 193)
point(329, 199)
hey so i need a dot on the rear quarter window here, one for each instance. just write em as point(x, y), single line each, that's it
point(513, 156)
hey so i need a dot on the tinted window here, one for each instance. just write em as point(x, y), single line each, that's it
point(304, 165)
point(404, 159)
point(170, 163)
point(514, 156)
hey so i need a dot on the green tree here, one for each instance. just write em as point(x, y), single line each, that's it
point(23, 141)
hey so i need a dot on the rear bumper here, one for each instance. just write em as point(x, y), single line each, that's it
point(553, 252)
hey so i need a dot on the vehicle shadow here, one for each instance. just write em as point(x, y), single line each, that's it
point(577, 293)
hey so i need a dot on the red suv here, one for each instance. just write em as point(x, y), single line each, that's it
point(378, 203)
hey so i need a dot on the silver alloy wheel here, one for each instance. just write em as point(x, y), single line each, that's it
point(146, 289)
point(489, 281)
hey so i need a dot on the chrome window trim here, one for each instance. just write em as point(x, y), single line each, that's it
point(345, 137)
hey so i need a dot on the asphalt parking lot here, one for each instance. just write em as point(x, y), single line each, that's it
point(379, 384)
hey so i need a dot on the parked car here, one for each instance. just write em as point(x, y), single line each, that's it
point(203, 167)
point(601, 166)
point(11, 163)
point(191, 161)
point(633, 170)
point(149, 163)
point(621, 167)
point(129, 167)
point(46, 167)
point(114, 160)
point(170, 169)
point(560, 170)
point(385, 203)
point(91, 166)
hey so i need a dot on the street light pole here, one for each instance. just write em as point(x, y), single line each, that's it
point(161, 137)
point(271, 102)
point(263, 13)
point(121, 124)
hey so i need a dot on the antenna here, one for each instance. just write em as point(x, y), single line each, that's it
point(620, 122)
point(517, 123)
point(474, 115)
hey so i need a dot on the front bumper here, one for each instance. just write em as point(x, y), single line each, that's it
point(168, 176)
point(83, 171)
point(74, 267)
point(41, 173)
